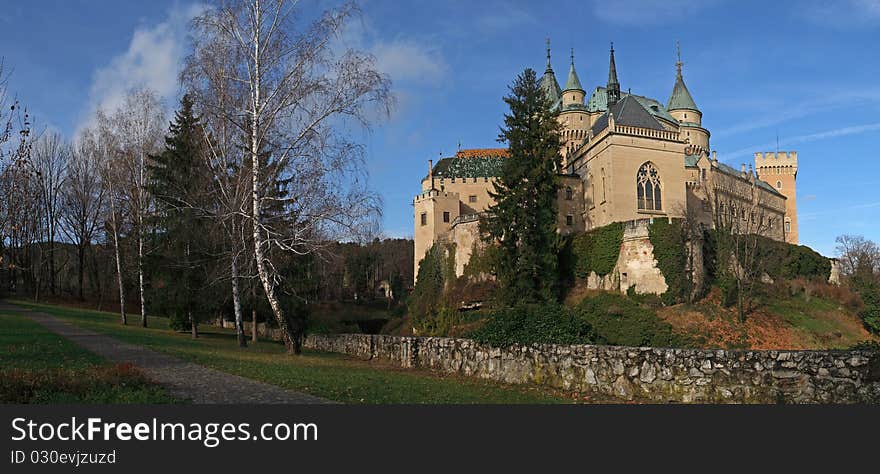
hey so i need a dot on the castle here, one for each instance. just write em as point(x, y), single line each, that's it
point(625, 158)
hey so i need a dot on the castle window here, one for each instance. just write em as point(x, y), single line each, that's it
point(648, 188)
point(787, 226)
point(569, 220)
point(779, 185)
point(472, 198)
point(424, 218)
point(446, 216)
point(703, 173)
point(686, 116)
point(568, 193)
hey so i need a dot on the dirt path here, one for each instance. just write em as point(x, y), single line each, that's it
point(184, 380)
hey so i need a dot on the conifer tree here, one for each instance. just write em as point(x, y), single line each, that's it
point(180, 183)
point(523, 220)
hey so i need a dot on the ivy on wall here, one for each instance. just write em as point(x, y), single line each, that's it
point(429, 301)
point(595, 251)
point(671, 252)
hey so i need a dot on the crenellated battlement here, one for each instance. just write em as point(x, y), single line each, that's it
point(433, 194)
point(786, 159)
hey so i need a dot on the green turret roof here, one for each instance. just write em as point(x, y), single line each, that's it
point(548, 83)
point(573, 82)
point(681, 97)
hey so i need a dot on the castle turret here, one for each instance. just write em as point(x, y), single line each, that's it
point(573, 94)
point(682, 107)
point(613, 86)
point(548, 83)
point(780, 171)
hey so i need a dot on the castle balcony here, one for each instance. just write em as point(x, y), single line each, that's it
point(465, 218)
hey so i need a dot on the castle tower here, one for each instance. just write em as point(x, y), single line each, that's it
point(573, 116)
point(780, 171)
point(613, 86)
point(682, 107)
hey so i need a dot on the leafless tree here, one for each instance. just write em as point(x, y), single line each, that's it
point(740, 215)
point(138, 127)
point(104, 140)
point(858, 256)
point(50, 159)
point(297, 93)
point(83, 199)
point(207, 77)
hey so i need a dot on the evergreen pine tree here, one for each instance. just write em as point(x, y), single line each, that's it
point(523, 220)
point(181, 184)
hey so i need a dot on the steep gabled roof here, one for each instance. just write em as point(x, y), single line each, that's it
point(629, 111)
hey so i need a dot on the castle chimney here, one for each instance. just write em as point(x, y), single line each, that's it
point(743, 169)
point(715, 156)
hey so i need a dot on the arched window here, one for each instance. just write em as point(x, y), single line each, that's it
point(568, 193)
point(648, 188)
point(779, 185)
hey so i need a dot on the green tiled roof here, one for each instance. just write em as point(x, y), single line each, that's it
point(573, 82)
point(691, 160)
point(550, 86)
point(473, 167)
point(629, 111)
point(681, 97)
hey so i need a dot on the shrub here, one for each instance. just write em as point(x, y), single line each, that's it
point(533, 324)
point(620, 321)
point(429, 297)
point(870, 315)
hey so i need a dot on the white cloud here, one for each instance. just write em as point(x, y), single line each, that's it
point(153, 60)
point(409, 61)
point(644, 12)
point(406, 60)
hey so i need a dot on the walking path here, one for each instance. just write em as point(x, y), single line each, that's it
point(184, 380)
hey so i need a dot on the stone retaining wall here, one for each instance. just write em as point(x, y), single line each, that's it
point(659, 375)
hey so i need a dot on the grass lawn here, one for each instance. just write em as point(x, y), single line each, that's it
point(37, 366)
point(332, 376)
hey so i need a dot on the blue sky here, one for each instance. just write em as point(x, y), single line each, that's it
point(807, 71)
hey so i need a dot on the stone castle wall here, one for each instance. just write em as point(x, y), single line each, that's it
point(652, 374)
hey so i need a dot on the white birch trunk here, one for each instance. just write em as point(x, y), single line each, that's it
point(114, 224)
point(236, 304)
point(290, 341)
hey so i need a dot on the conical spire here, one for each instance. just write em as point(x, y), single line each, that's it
point(573, 82)
point(613, 86)
point(680, 97)
point(548, 83)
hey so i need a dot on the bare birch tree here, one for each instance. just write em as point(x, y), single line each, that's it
point(139, 125)
point(298, 91)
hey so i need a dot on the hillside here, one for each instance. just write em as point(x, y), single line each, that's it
point(779, 322)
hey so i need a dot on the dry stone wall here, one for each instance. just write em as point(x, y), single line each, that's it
point(652, 374)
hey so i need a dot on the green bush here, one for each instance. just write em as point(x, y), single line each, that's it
point(533, 324)
point(670, 250)
point(620, 321)
point(596, 250)
point(870, 314)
